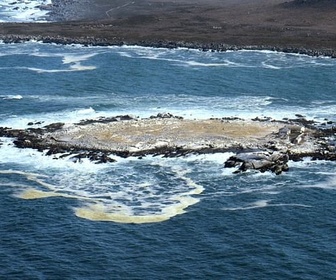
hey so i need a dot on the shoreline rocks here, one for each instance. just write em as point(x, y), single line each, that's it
point(262, 161)
point(218, 47)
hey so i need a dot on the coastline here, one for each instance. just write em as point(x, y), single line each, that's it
point(256, 25)
point(219, 47)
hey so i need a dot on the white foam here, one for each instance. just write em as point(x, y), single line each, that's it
point(327, 183)
point(125, 194)
point(73, 68)
point(11, 97)
point(125, 54)
point(177, 56)
point(71, 57)
point(263, 204)
point(269, 66)
point(34, 160)
point(66, 116)
point(226, 63)
point(23, 11)
point(75, 58)
point(215, 158)
point(150, 190)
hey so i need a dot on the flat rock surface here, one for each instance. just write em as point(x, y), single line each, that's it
point(145, 134)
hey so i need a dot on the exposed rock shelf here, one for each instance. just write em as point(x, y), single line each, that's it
point(261, 144)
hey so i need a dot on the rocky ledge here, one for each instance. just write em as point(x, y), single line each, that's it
point(262, 144)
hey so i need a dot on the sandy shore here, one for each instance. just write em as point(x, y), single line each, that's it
point(293, 26)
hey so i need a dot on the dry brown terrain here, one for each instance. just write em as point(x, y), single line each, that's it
point(146, 134)
point(271, 23)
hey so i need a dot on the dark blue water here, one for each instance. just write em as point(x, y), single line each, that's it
point(155, 218)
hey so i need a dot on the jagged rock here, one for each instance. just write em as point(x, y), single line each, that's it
point(165, 116)
point(262, 161)
point(292, 133)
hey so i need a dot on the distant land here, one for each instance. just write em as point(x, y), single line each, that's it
point(302, 26)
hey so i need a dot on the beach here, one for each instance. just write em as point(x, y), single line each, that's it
point(295, 26)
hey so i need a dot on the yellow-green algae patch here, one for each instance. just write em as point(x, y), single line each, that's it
point(96, 209)
point(97, 212)
point(36, 194)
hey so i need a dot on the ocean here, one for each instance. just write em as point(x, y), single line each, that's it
point(24, 10)
point(162, 218)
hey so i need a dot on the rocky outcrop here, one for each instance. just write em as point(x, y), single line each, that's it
point(261, 144)
point(262, 161)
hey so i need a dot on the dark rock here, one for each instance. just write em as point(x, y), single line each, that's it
point(165, 116)
point(107, 120)
point(263, 119)
point(232, 119)
point(262, 161)
point(53, 127)
point(55, 150)
point(34, 123)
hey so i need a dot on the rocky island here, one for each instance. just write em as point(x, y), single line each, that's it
point(262, 143)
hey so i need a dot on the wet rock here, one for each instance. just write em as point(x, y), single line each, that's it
point(34, 123)
point(262, 119)
point(53, 127)
point(107, 120)
point(302, 121)
point(232, 119)
point(292, 133)
point(56, 150)
point(165, 116)
point(261, 161)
